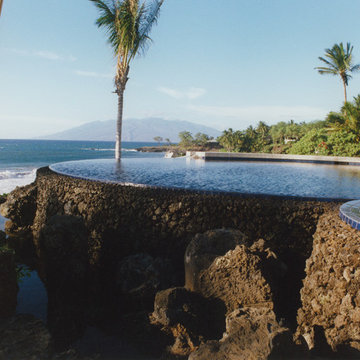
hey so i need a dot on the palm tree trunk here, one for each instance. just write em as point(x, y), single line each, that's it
point(345, 91)
point(120, 93)
point(1, 3)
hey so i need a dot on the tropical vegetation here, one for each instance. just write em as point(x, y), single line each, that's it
point(338, 135)
point(128, 24)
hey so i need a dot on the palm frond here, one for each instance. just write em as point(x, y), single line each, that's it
point(148, 17)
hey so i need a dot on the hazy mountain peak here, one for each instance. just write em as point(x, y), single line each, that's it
point(133, 130)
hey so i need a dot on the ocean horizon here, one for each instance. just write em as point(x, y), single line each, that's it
point(20, 158)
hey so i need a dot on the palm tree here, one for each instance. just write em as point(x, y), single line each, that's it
point(1, 3)
point(339, 62)
point(348, 119)
point(128, 24)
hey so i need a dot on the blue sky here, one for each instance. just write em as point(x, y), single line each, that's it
point(223, 63)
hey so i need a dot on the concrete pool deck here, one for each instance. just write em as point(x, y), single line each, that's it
point(212, 155)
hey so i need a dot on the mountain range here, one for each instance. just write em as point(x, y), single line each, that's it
point(133, 130)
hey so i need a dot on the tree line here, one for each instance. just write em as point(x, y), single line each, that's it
point(337, 135)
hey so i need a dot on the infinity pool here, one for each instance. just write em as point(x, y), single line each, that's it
point(288, 179)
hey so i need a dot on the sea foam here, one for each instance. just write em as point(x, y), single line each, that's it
point(11, 178)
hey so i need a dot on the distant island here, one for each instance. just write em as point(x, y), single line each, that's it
point(133, 130)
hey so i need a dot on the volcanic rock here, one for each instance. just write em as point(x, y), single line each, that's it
point(20, 205)
point(244, 276)
point(190, 317)
point(204, 249)
point(330, 294)
point(251, 334)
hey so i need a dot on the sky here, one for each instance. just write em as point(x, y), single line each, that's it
point(221, 63)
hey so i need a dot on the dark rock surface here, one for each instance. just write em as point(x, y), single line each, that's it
point(2, 238)
point(140, 277)
point(2, 198)
point(190, 318)
point(251, 334)
point(8, 283)
point(24, 337)
point(63, 240)
point(330, 295)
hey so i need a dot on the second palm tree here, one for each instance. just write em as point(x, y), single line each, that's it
point(339, 61)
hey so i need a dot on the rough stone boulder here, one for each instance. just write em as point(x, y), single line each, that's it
point(219, 265)
point(8, 283)
point(20, 206)
point(140, 277)
point(190, 318)
point(204, 248)
point(251, 334)
point(24, 337)
point(330, 295)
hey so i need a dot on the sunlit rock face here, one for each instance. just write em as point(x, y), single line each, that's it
point(330, 295)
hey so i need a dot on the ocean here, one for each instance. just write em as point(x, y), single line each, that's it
point(19, 159)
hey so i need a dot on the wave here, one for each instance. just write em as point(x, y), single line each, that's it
point(11, 178)
point(97, 149)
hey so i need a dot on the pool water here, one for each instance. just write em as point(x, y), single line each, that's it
point(286, 179)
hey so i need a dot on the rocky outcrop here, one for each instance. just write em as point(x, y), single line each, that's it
point(330, 295)
point(251, 334)
point(190, 318)
point(20, 207)
point(243, 282)
point(204, 249)
point(244, 276)
point(8, 283)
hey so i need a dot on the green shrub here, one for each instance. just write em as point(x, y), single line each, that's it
point(314, 142)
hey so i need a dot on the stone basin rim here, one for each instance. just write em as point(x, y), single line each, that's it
point(198, 191)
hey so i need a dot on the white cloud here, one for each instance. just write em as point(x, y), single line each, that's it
point(92, 74)
point(44, 54)
point(47, 55)
point(271, 114)
point(191, 93)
